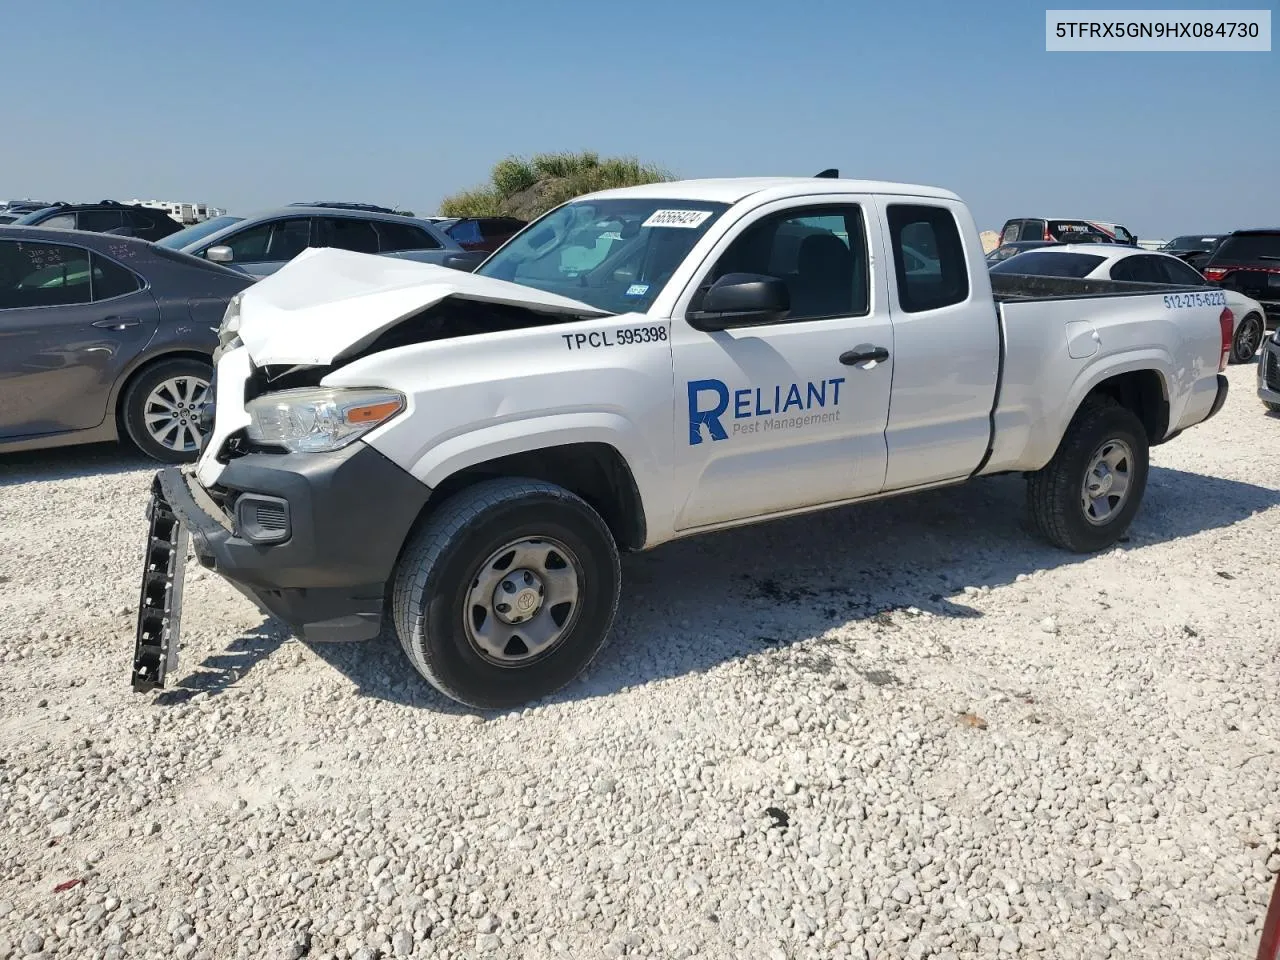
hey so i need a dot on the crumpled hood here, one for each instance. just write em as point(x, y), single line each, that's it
point(327, 303)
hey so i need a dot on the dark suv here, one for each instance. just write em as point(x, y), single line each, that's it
point(1248, 261)
point(105, 217)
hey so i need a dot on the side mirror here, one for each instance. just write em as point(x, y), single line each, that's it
point(742, 300)
point(466, 262)
point(219, 254)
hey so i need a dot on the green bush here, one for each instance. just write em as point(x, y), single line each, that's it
point(528, 188)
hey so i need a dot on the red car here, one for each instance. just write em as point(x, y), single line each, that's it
point(481, 233)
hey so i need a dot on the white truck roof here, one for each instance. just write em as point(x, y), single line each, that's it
point(733, 189)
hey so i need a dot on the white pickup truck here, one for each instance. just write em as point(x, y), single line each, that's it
point(464, 456)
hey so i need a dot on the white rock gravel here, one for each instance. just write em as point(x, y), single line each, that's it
point(901, 730)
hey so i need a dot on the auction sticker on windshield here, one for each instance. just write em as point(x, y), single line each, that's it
point(676, 218)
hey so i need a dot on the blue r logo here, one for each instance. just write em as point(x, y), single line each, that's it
point(711, 417)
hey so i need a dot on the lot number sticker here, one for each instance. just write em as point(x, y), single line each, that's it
point(676, 218)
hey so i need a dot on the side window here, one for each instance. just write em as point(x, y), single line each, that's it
point(1010, 232)
point(42, 275)
point(110, 279)
point(269, 242)
point(248, 246)
point(1140, 270)
point(821, 253)
point(63, 221)
point(466, 231)
point(288, 238)
point(402, 236)
point(928, 257)
point(1179, 272)
point(499, 227)
point(99, 221)
point(347, 233)
point(1125, 270)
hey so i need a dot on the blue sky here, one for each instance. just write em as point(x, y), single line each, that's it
point(252, 104)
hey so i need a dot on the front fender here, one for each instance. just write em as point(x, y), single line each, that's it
point(526, 434)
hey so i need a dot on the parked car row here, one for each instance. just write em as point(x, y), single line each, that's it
point(106, 336)
point(105, 216)
point(108, 311)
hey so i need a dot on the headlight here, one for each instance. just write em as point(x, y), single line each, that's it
point(318, 419)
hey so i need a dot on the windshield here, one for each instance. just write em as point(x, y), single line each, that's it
point(196, 232)
point(616, 255)
point(30, 217)
point(1191, 243)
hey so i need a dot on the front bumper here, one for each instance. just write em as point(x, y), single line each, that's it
point(312, 539)
point(1269, 372)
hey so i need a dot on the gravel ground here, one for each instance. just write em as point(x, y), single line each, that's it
point(901, 730)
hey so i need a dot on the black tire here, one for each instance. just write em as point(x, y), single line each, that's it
point(1273, 407)
point(443, 562)
point(1055, 492)
point(133, 407)
point(1248, 338)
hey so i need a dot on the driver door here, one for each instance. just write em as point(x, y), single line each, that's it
point(782, 416)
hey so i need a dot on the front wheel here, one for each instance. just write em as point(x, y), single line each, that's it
point(161, 408)
point(506, 593)
point(1084, 499)
point(1248, 339)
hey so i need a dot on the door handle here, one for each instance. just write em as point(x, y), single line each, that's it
point(116, 323)
point(850, 357)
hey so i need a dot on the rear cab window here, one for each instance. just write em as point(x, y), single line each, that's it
point(928, 257)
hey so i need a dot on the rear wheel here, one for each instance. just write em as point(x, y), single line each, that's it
point(161, 408)
point(1084, 499)
point(506, 593)
point(1273, 407)
point(1248, 339)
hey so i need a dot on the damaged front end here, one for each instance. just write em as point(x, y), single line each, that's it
point(284, 502)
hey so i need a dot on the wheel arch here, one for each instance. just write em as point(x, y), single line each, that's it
point(594, 470)
point(137, 369)
point(1143, 391)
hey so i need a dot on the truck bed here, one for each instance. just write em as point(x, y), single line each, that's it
point(1061, 334)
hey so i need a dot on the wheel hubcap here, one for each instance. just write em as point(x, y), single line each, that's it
point(523, 601)
point(1106, 482)
point(172, 410)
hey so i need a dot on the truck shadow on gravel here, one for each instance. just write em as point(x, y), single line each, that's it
point(692, 605)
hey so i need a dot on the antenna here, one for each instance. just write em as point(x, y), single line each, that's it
point(831, 173)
